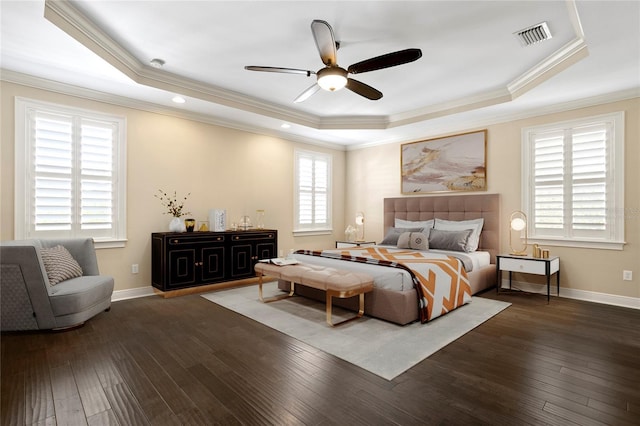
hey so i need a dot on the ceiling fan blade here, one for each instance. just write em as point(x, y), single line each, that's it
point(325, 41)
point(278, 69)
point(385, 61)
point(307, 93)
point(363, 89)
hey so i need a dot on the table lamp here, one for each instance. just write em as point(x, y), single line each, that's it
point(360, 226)
point(518, 223)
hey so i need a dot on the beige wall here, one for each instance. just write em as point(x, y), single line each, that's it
point(222, 168)
point(242, 172)
point(374, 173)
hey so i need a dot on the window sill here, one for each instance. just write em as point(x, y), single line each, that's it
point(107, 244)
point(312, 232)
point(600, 245)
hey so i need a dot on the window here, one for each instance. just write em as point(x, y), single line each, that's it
point(312, 192)
point(573, 182)
point(70, 174)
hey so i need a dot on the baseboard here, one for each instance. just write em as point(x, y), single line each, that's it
point(591, 296)
point(132, 293)
point(570, 293)
point(151, 291)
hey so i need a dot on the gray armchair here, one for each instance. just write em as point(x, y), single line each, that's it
point(29, 302)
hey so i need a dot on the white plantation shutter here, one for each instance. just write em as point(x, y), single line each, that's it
point(312, 191)
point(589, 203)
point(96, 171)
point(74, 173)
point(305, 190)
point(548, 188)
point(53, 167)
point(573, 181)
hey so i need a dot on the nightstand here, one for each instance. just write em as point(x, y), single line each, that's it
point(347, 244)
point(528, 265)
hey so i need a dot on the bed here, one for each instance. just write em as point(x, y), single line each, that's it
point(395, 297)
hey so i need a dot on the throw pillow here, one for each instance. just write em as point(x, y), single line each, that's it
point(59, 264)
point(475, 225)
point(419, 241)
point(403, 240)
point(449, 240)
point(391, 239)
point(413, 240)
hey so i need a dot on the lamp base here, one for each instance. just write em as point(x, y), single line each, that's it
point(518, 253)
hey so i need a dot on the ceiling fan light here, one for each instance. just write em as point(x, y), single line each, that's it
point(332, 78)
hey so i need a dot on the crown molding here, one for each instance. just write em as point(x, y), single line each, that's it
point(460, 126)
point(122, 101)
point(456, 106)
point(563, 58)
point(434, 129)
point(69, 19)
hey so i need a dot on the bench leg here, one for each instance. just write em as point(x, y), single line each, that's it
point(329, 305)
point(274, 298)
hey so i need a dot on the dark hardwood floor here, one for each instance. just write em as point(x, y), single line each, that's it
point(188, 361)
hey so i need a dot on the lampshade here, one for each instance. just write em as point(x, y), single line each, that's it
point(332, 78)
point(518, 224)
point(360, 226)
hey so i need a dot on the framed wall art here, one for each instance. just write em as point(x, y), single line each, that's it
point(448, 164)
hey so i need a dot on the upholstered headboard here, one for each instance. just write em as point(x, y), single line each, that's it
point(450, 207)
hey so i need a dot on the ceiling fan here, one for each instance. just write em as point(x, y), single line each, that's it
point(332, 77)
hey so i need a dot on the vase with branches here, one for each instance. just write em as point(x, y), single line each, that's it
point(174, 207)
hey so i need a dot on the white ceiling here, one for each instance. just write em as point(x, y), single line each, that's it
point(473, 71)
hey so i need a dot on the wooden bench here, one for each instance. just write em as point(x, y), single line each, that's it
point(335, 283)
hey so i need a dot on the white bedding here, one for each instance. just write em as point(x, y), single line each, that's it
point(395, 279)
point(479, 259)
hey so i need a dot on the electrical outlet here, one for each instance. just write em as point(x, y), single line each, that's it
point(627, 275)
point(134, 268)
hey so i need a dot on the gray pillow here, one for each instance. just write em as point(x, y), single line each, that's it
point(391, 239)
point(413, 240)
point(450, 240)
point(59, 264)
point(456, 225)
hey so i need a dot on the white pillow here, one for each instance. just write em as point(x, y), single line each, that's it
point(458, 225)
point(401, 223)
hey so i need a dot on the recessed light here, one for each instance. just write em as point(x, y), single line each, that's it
point(157, 63)
point(285, 125)
point(178, 99)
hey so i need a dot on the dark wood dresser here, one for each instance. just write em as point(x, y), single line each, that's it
point(191, 259)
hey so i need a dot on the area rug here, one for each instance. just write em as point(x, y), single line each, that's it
point(383, 348)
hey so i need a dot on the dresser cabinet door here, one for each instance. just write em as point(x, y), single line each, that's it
point(266, 249)
point(241, 259)
point(247, 248)
point(213, 264)
point(182, 267)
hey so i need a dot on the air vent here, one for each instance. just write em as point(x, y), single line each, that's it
point(533, 35)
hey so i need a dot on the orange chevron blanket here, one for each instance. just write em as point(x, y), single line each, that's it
point(441, 281)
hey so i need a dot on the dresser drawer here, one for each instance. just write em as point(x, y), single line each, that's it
point(522, 265)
